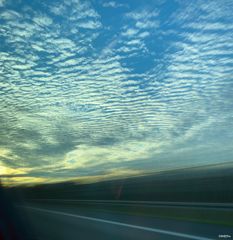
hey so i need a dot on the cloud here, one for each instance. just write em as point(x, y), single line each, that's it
point(140, 24)
point(2, 3)
point(29, 181)
point(147, 24)
point(144, 35)
point(10, 15)
point(142, 14)
point(130, 32)
point(42, 20)
point(90, 25)
point(92, 156)
point(4, 171)
point(112, 4)
point(79, 100)
point(58, 9)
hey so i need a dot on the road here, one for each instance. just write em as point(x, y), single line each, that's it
point(59, 222)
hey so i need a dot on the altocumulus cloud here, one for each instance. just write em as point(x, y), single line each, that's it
point(89, 95)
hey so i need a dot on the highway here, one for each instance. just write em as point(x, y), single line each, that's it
point(61, 221)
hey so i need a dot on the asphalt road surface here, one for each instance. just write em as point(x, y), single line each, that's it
point(49, 222)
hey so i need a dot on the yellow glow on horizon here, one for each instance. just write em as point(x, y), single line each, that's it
point(14, 181)
point(30, 181)
point(4, 170)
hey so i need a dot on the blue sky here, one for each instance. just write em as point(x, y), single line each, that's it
point(93, 90)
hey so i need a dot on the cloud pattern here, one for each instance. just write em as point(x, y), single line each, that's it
point(98, 89)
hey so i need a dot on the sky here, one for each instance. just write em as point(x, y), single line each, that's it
point(97, 89)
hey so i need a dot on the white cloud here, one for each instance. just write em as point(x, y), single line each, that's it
point(64, 43)
point(9, 15)
point(58, 9)
point(130, 32)
point(86, 156)
point(112, 4)
point(38, 48)
point(2, 2)
point(43, 20)
point(142, 14)
point(90, 25)
point(144, 35)
point(134, 42)
point(147, 24)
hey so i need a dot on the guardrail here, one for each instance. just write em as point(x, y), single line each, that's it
point(144, 203)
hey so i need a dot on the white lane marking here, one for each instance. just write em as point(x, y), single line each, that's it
point(155, 230)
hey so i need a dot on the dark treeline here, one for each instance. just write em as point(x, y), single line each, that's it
point(206, 184)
